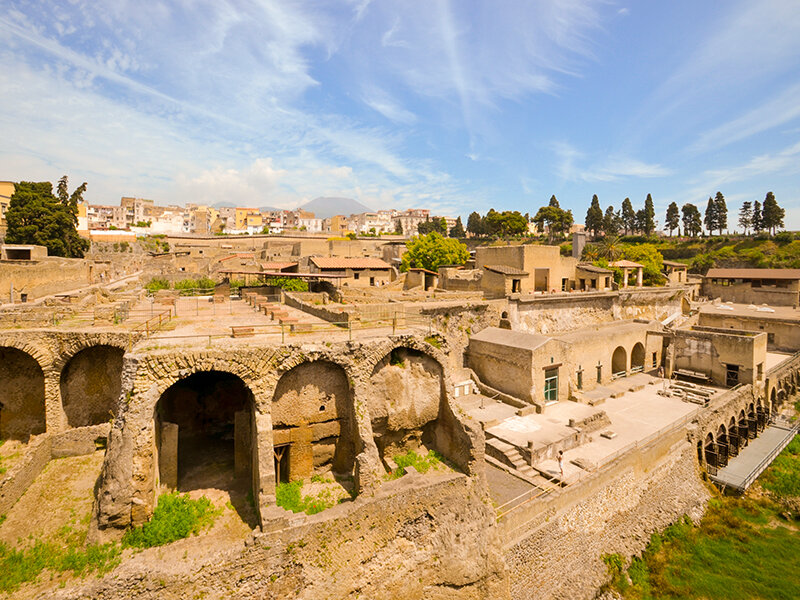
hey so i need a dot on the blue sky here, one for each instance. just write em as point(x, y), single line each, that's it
point(457, 105)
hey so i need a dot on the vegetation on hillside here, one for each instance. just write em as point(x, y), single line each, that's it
point(431, 251)
point(744, 547)
point(176, 517)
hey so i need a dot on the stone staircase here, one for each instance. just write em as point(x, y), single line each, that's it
point(509, 455)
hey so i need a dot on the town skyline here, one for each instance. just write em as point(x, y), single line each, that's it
point(679, 101)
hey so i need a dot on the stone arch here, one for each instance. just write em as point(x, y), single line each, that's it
point(90, 385)
point(405, 401)
point(710, 450)
point(637, 356)
point(204, 426)
point(313, 421)
point(22, 395)
point(619, 361)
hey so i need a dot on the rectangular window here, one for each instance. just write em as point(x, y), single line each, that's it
point(655, 359)
point(564, 284)
point(770, 338)
point(551, 385)
point(759, 371)
point(516, 285)
point(355, 275)
point(372, 281)
point(731, 375)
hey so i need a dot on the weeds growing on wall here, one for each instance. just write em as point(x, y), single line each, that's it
point(176, 516)
point(289, 496)
point(422, 463)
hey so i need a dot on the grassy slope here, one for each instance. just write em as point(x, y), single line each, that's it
point(743, 548)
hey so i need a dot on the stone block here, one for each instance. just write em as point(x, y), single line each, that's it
point(326, 429)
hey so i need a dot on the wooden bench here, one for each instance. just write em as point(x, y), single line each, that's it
point(242, 331)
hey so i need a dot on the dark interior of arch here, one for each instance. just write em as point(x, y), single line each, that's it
point(211, 453)
point(90, 385)
point(22, 411)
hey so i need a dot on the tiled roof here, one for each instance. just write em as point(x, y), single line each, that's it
point(239, 255)
point(277, 266)
point(626, 264)
point(349, 263)
point(754, 273)
point(593, 269)
point(672, 263)
point(505, 270)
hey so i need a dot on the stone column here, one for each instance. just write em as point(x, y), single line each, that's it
point(55, 418)
point(168, 456)
point(639, 277)
point(624, 277)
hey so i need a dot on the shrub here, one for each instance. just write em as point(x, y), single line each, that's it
point(289, 496)
point(432, 460)
point(156, 284)
point(176, 517)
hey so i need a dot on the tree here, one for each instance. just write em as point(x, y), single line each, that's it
point(721, 211)
point(554, 202)
point(431, 251)
point(457, 230)
point(611, 222)
point(746, 216)
point(556, 220)
point(36, 216)
point(771, 214)
point(505, 223)
point(475, 224)
point(710, 218)
point(692, 222)
point(649, 257)
point(672, 222)
point(628, 216)
point(758, 223)
point(398, 227)
point(594, 216)
point(647, 216)
point(437, 224)
point(70, 201)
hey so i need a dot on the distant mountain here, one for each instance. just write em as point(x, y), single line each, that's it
point(227, 204)
point(327, 207)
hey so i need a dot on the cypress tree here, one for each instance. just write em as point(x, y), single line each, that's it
point(594, 216)
point(772, 214)
point(710, 219)
point(673, 219)
point(628, 216)
point(721, 212)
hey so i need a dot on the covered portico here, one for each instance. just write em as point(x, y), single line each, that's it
point(627, 266)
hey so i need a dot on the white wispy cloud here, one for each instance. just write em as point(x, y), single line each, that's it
point(381, 102)
point(776, 111)
point(571, 166)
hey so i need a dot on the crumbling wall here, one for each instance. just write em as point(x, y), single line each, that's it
point(559, 556)
point(90, 385)
point(22, 405)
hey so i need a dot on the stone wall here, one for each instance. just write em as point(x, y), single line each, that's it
point(41, 278)
point(419, 538)
point(559, 555)
point(554, 313)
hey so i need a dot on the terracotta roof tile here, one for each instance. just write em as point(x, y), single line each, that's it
point(349, 263)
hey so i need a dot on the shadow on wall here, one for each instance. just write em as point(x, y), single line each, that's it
point(313, 423)
point(22, 411)
point(90, 385)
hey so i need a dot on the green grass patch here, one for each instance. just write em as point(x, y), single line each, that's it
point(156, 284)
point(434, 341)
point(176, 516)
point(289, 496)
point(743, 548)
point(68, 553)
point(422, 463)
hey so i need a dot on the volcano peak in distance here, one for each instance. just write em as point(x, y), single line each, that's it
point(325, 207)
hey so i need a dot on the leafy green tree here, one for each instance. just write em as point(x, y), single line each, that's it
point(710, 219)
point(398, 227)
point(758, 223)
point(609, 248)
point(647, 216)
point(457, 230)
point(506, 223)
point(433, 250)
point(556, 220)
point(475, 224)
point(68, 200)
point(650, 258)
point(611, 222)
point(746, 216)
point(594, 217)
point(554, 202)
point(673, 219)
point(437, 224)
point(36, 216)
point(628, 216)
point(771, 214)
point(721, 211)
point(692, 222)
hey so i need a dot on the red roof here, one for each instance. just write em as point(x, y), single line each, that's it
point(349, 263)
point(277, 266)
point(754, 273)
point(240, 255)
point(626, 264)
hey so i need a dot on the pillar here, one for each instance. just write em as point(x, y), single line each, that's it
point(639, 277)
point(241, 443)
point(624, 277)
point(168, 456)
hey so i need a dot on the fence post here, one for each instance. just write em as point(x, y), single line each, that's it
point(394, 323)
point(350, 328)
point(283, 333)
